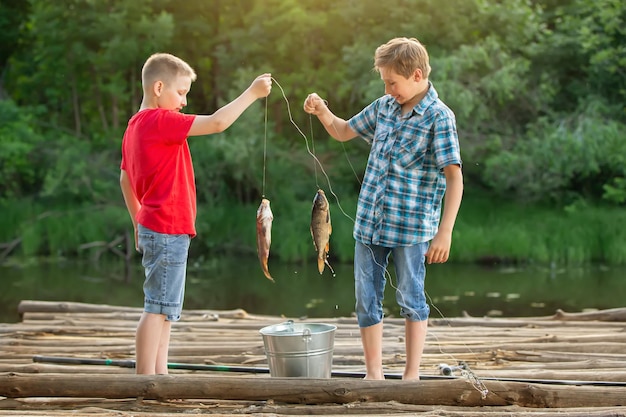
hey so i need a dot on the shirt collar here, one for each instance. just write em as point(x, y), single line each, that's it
point(420, 108)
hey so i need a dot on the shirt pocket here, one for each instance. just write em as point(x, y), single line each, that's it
point(412, 151)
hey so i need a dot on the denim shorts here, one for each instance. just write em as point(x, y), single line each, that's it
point(165, 264)
point(370, 276)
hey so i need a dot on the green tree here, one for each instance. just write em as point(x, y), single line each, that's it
point(579, 157)
point(22, 152)
point(12, 18)
point(585, 52)
point(85, 58)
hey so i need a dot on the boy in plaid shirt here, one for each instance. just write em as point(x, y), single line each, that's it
point(414, 162)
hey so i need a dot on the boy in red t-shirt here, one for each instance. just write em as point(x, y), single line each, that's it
point(158, 185)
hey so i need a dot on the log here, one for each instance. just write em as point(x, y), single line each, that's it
point(39, 368)
point(79, 365)
point(68, 307)
point(103, 408)
point(76, 307)
point(453, 392)
point(606, 316)
point(612, 314)
point(551, 356)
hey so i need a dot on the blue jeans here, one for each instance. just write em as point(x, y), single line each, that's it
point(165, 263)
point(370, 264)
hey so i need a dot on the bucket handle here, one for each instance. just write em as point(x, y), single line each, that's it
point(306, 335)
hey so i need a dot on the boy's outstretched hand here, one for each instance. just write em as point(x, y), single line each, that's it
point(262, 85)
point(314, 104)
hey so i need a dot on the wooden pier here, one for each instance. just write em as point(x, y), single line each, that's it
point(567, 365)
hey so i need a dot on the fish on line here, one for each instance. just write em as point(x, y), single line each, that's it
point(264, 218)
point(321, 229)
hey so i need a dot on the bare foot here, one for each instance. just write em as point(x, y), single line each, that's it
point(379, 376)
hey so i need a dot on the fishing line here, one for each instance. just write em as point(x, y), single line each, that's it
point(264, 150)
point(467, 373)
point(330, 188)
point(313, 148)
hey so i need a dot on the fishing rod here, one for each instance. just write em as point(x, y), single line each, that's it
point(445, 369)
point(129, 363)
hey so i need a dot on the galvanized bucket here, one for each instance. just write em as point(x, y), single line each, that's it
point(299, 350)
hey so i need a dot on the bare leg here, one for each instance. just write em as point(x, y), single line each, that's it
point(372, 339)
point(415, 335)
point(147, 342)
point(164, 346)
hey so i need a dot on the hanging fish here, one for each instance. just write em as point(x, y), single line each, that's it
point(264, 218)
point(321, 229)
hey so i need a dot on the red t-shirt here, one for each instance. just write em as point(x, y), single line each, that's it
point(156, 158)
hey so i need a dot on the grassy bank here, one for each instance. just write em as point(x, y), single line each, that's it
point(488, 230)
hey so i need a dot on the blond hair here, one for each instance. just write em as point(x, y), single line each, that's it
point(164, 67)
point(403, 56)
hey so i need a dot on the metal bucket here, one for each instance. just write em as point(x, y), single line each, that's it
point(299, 350)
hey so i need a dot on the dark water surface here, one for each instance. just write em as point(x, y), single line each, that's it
point(300, 290)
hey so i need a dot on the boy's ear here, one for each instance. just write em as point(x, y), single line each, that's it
point(157, 88)
point(417, 75)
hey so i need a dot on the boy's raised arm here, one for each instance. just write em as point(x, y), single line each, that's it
point(336, 127)
point(224, 117)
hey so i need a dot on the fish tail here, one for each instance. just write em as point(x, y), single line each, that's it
point(268, 276)
point(320, 265)
point(266, 270)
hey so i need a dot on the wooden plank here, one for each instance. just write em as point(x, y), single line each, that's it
point(307, 390)
point(103, 408)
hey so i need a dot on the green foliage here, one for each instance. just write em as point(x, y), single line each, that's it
point(61, 232)
point(12, 17)
point(585, 51)
point(77, 174)
point(573, 158)
point(21, 152)
point(615, 191)
point(537, 87)
point(87, 82)
point(498, 231)
point(12, 214)
point(487, 231)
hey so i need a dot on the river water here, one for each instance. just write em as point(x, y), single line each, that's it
point(299, 290)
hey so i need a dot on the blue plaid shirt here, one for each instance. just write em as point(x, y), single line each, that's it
point(400, 199)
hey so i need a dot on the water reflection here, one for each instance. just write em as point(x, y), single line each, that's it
point(301, 291)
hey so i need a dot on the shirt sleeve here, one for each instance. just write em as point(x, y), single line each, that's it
point(364, 123)
point(446, 141)
point(174, 126)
